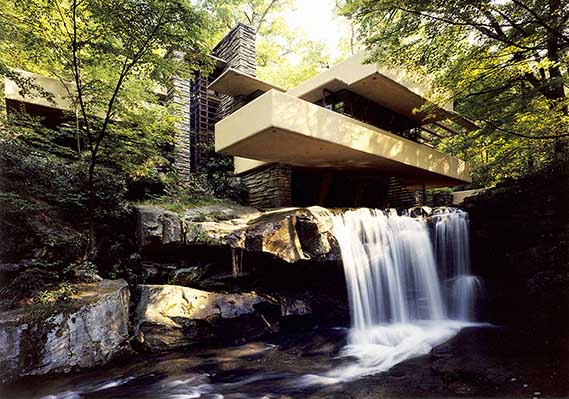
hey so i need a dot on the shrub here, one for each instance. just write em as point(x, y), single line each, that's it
point(59, 293)
point(82, 271)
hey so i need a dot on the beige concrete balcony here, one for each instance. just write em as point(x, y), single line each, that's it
point(279, 127)
point(235, 83)
point(59, 92)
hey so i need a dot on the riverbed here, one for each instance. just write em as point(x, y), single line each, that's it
point(478, 362)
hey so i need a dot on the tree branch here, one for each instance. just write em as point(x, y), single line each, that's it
point(482, 28)
point(76, 73)
point(525, 136)
point(127, 66)
point(264, 15)
point(542, 22)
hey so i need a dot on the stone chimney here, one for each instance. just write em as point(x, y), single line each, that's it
point(238, 49)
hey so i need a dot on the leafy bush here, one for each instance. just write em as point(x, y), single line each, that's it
point(59, 293)
point(217, 171)
point(31, 280)
point(55, 181)
point(37, 275)
point(43, 202)
point(214, 182)
point(82, 271)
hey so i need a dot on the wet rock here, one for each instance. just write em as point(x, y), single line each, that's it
point(156, 226)
point(291, 234)
point(519, 241)
point(134, 260)
point(214, 224)
point(147, 272)
point(171, 316)
point(462, 388)
point(188, 277)
point(496, 377)
point(420, 211)
point(87, 331)
point(295, 307)
point(474, 355)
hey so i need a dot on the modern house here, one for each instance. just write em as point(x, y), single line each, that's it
point(354, 135)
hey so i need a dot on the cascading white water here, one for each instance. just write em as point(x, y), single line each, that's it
point(452, 249)
point(452, 243)
point(390, 268)
point(398, 303)
point(464, 293)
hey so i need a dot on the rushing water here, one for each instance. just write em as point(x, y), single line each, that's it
point(390, 268)
point(401, 303)
point(452, 249)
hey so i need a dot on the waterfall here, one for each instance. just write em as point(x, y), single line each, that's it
point(390, 268)
point(409, 286)
point(452, 249)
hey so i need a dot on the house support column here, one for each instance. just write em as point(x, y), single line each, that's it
point(269, 186)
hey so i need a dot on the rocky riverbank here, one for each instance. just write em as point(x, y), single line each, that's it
point(215, 274)
point(478, 362)
point(291, 235)
point(84, 332)
point(212, 278)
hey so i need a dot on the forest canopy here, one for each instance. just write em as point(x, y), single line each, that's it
point(506, 62)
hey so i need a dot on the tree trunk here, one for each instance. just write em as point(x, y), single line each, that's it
point(92, 206)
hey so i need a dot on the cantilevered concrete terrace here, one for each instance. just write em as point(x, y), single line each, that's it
point(58, 93)
point(235, 83)
point(280, 128)
point(300, 128)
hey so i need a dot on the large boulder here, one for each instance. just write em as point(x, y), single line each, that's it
point(157, 226)
point(291, 234)
point(85, 332)
point(171, 316)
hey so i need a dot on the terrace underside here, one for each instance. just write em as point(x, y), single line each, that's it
point(279, 128)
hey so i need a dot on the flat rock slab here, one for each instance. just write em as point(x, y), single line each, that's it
point(87, 331)
point(290, 234)
point(171, 316)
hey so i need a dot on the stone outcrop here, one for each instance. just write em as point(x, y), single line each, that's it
point(171, 316)
point(291, 234)
point(87, 331)
point(157, 226)
point(294, 307)
point(520, 247)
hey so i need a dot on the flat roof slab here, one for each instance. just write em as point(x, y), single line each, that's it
point(59, 95)
point(235, 83)
point(277, 127)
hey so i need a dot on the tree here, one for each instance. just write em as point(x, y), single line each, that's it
point(289, 62)
point(505, 60)
point(113, 56)
point(259, 14)
point(284, 57)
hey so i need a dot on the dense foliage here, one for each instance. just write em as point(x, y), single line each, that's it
point(285, 57)
point(506, 62)
point(62, 186)
point(112, 59)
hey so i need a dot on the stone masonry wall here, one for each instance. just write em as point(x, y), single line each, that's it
point(179, 94)
point(238, 49)
point(270, 186)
